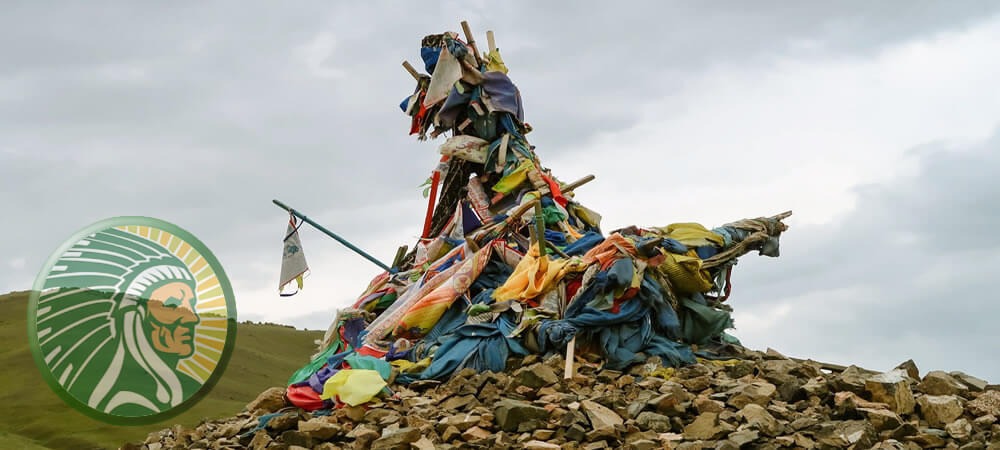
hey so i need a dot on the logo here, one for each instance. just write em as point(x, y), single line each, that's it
point(132, 321)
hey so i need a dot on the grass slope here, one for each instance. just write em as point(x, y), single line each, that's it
point(35, 418)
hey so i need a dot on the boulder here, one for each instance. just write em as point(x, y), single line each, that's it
point(600, 416)
point(941, 383)
point(515, 415)
point(940, 410)
point(893, 389)
point(268, 401)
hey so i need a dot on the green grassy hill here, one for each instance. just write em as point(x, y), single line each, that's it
point(35, 418)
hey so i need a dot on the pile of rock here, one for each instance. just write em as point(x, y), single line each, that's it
point(759, 401)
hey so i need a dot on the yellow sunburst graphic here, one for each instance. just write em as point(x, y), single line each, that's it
point(211, 331)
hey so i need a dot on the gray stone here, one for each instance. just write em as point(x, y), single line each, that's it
point(929, 438)
point(535, 376)
point(857, 433)
point(940, 410)
point(852, 379)
point(757, 418)
point(817, 387)
point(974, 384)
point(706, 427)
point(743, 437)
point(400, 438)
point(293, 437)
point(540, 445)
point(600, 416)
point(511, 414)
point(652, 421)
point(881, 419)
point(758, 392)
point(893, 389)
point(319, 428)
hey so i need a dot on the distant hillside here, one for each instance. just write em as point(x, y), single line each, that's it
point(35, 418)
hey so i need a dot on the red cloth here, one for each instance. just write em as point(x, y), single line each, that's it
point(556, 192)
point(304, 397)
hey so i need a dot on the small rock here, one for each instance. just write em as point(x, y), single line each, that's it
point(857, 433)
point(743, 437)
point(363, 435)
point(653, 422)
point(852, 379)
point(319, 428)
point(758, 418)
point(940, 383)
point(535, 376)
point(816, 386)
point(940, 410)
point(268, 401)
point(960, 429)
point(600, 416)
point(260, 440)
point(929, 438)
point(910, 368)
point(984, 422)
point(706, 427)
point(283, 422)
point(475, 434)
point(705, 404)
point(892, 389)
point(423, 444)
point(540, 445)
point(641, 444)
point(294, 437)
point(758, 392)
point(881, 419)
point(450, 433)
point(517, 416)
point(400, 438)
point(987, 403)
point(974, 384)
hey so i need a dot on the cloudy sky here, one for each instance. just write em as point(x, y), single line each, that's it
point(878, 124)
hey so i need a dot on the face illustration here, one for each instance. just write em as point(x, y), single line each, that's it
point(172, 317)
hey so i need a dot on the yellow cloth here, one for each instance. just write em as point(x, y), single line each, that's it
point(515, 178)
point(692, 234)
point(534, 275)
point(405, 366)
point(684, 272)
point(353, 386)
point(494, 63)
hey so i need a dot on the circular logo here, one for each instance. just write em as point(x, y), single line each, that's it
point(132, 320)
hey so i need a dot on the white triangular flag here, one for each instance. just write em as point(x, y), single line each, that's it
point(293, 260)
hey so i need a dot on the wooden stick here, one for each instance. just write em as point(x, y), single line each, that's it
point(400, 254)
point(413, 72)
point(570, 356)
point(472, 42)
point(490, 42)
point(555, 249)
point(578, 183)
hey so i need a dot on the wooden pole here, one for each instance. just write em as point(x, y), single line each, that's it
point(333, 235)
point(413, 72)
point(472, 42)
point(578, 183)
point(491, 42)
point(570, 356)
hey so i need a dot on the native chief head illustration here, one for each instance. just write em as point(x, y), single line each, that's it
point(132, 321)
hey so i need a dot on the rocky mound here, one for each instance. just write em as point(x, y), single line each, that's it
point(761, 400)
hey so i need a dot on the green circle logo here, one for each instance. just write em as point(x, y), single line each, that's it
point(132, 320)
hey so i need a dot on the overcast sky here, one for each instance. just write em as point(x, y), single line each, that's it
point(878, 124)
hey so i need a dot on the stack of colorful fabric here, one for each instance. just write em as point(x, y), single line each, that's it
point(521, 266)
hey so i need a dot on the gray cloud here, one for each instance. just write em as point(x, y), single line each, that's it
point(909, 273)
point(201, 114)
